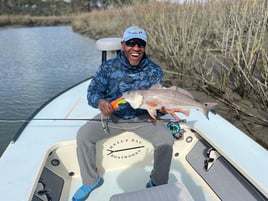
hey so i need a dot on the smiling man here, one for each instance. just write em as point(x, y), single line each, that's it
point(131, 69)
point(134, 48)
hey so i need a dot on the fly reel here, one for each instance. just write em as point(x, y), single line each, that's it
point(175, 129)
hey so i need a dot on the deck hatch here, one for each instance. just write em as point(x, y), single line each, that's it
point(49, 187)
point(222, 177)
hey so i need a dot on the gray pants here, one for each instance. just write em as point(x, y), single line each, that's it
point(157, 134)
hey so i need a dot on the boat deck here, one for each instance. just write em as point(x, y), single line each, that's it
point(129, 171)
point(41, 141)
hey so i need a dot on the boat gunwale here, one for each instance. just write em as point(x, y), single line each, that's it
point(209, 136)
point(31, 117)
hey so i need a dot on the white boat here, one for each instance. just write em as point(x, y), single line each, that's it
point(212, 160)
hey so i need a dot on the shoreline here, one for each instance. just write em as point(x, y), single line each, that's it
point(32, 21)
point(241, 120)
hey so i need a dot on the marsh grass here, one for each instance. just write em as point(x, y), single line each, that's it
point(220, 46)
point(27, 20)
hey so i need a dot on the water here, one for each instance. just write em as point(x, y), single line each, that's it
point(35, 65)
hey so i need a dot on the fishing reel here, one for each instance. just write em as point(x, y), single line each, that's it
point(175, 129)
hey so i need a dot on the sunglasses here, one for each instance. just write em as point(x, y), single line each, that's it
point(133, 42)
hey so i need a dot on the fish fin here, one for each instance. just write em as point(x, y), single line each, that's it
point(136, 102)
point(207, 107)
point(173, 87)
point(185, 112)
point(181, 90)
point(152, 113)
point(175, 117)
point(157, 86)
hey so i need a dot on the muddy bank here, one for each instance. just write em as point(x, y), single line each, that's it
point(257, 131)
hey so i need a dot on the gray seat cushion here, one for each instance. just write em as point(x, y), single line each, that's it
point(167, 192)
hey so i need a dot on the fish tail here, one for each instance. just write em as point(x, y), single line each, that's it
point(207, 107)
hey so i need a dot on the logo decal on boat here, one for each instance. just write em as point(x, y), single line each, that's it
point(125, 148)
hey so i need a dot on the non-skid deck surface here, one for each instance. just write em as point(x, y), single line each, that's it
point(168, 192)
point(135, 179)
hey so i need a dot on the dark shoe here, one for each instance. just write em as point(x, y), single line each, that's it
point(83, 192)
point(150, 184)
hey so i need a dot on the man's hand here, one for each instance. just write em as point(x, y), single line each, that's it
point(105, 107)
point(172, 112)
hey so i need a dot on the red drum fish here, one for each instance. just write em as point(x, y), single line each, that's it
point(157, 97)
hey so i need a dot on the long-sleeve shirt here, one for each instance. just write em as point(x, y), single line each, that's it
point(116, 76)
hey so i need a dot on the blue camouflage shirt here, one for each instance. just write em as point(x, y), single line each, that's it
point(116, 76)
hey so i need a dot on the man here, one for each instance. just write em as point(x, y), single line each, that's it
point(129, 70)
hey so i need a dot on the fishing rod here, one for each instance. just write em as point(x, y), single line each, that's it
point(85, 119)
point(106, 120)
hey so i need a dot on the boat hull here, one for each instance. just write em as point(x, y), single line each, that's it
point(42, 163)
